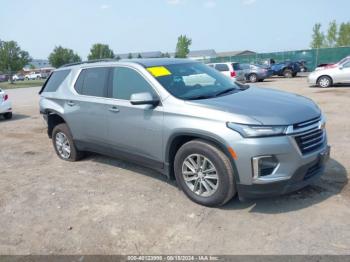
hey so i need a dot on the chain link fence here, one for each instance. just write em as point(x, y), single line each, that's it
point(312, 57)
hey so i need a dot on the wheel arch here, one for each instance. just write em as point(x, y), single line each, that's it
point(318, 78)
point(54, 118)
point(180, 138)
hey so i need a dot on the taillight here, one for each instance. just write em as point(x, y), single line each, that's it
point(6, 97)
point(233, 74)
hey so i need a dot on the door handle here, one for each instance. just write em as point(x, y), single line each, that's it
point(114, 109)
point(70, 103)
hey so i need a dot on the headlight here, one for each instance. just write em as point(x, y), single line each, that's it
point(257, 131)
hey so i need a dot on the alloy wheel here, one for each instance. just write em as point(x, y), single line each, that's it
point(200, 175)
point(62, 145)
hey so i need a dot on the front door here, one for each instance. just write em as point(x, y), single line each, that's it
point(343, 74)
point(136, 130)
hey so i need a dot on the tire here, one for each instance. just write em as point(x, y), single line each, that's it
point(261, 80)
point(324, 81)
point(223, 187)
point(61, 132)
point(294, 74)
point(287, 73)
point(8, 115)
point(253, 78)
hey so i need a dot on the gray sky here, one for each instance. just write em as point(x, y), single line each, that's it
point(136, 26)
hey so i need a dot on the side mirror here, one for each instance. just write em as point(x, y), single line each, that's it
point(143, 99)
point(341, 67)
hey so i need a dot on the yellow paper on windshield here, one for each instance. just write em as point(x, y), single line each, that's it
point(158, 71)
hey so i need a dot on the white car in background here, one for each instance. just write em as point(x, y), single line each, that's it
point(227, 69)
point(32, 76)
point(5, 105)
point(329, 75)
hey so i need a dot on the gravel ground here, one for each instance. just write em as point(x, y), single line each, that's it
point(102, 205)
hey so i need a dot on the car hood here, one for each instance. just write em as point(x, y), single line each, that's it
point(267, 106)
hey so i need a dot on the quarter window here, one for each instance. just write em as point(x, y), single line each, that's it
point(55, 80)
point(222, 67)
point(127, 81)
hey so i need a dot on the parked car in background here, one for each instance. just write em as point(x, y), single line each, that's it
point(32, 76)
point(302, 65)
point(4, 78)
point(18, 77)
point(287, 69)
point(228, 70)
point(329, 75)
point(252, 73)
point(5, 105)
point(217, 137)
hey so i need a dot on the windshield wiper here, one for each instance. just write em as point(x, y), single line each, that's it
point(200, 97)
point(228, 90)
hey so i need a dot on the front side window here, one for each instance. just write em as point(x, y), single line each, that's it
point(346, 65)
point(222, 67)
point(127, 81)
point(93, 82)
point(191, 81)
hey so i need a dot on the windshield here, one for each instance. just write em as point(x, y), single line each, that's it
point(191, 81)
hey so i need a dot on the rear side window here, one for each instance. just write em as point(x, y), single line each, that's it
point(93, 82)
point(222, 67)
point(55, 80)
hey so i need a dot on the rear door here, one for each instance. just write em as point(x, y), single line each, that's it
point(87, 113)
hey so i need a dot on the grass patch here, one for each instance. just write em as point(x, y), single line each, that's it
point(22, 84)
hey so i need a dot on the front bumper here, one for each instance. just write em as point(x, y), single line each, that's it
point(312, 79)
point(302, 177)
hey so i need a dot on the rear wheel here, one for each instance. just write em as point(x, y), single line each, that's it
point(287, 73)
point(64, 145)
point(324, 81)
point(8, 115)
point(253, 78)
point(204, 173)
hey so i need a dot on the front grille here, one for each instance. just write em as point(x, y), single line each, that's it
point(306, 123)
point(310, 141)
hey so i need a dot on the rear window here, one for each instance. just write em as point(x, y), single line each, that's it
point(55, 80)
point(222, 67)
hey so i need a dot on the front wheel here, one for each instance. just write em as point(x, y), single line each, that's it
point(324, 81)
point(204, 173)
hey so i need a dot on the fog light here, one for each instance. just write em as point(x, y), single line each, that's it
point(264, 165)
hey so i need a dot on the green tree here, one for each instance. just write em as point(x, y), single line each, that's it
point(61, 56)
point(165, 54)
point(100, 51)
point(12, 58)
point(129, 55)
point(117, 57)
point(318, 37)
point(139, 56)
point(344, 35)
point(31, 66)
point(182, 46)
point(332, 34)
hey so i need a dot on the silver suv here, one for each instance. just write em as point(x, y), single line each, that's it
point(218, 138)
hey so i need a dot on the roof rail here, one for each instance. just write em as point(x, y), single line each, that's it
point(90, 61)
